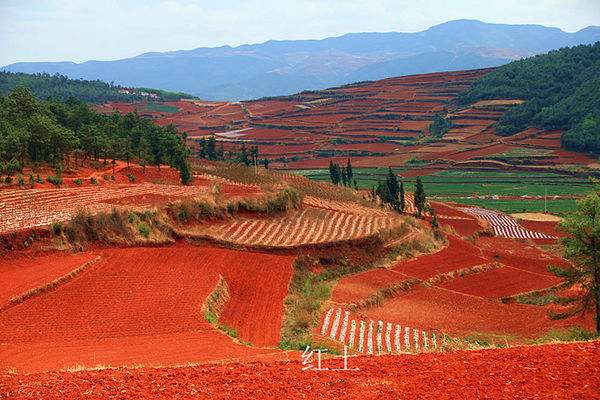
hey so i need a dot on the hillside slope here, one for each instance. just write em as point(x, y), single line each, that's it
point(560, 92)
point(44, 86)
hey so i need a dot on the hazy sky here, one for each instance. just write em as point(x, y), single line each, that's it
point(53, 30)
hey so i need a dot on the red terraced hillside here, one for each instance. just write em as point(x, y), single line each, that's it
point(367, 121)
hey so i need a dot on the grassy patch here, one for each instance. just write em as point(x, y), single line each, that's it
point(159, 107)
point(572, 334)
point(306, 294)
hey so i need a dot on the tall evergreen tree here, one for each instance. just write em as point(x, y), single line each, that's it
point(202, 148)
point(582, 246)
point(211, 150)
point(420, 197)
point(402, 199)
point(344, 174)
point(337, 174)
point(393, 189)
point(331, 171)
point(349, 171)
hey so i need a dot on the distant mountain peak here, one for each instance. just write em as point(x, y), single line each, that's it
point(279, 67)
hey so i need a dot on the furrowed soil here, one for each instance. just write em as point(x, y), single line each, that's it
point(559, 371)
point(143, 305)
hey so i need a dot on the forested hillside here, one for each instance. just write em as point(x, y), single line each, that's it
point(34, 132)
point(561, 90)
point(45, 86)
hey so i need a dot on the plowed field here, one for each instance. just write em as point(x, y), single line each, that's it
point(565, 371)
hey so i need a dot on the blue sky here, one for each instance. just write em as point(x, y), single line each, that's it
point(59, 30)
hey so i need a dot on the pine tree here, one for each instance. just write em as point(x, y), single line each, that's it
point(337, 174)
point(393, 190)
point(582, 246)
point(184, 171)
point(402, 199)
point(349, 171)
point(420, 197)
point(244, 155)
point(211, 153)
point(202, 148)
point(331, 171)
point(344, 176)
point(382, 192)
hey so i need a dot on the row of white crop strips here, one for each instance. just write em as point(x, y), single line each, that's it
point(377, 337)
point(22, 209)
point(505, 226)
point(304, 226)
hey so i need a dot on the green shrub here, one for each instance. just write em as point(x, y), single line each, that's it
point(93, 181)
point(8, 180)
point(78, 182)
point(56, 228)
point(131, 178)
point(55, 180)
point(106, 177)
point(21, 180)
point(144, 229)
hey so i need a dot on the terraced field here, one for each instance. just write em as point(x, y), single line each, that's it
point(317, 222)
point(22, 209)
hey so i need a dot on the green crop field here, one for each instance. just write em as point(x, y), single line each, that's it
point(529, 188)
point(158, 107)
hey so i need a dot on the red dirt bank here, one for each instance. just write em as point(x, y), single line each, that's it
point(565, 371)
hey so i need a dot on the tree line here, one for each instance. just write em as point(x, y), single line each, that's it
point(209, 150)
point(560, 90)
point(46, 86)
point(390, 192)
point(342, 175)
point(34, 132)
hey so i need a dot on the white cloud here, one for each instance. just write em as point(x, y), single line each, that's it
point(109, 29)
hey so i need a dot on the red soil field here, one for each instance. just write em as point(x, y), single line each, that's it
point(458, 254)
point(485, 151)
point(463, 314)
point(20, 273)
point(464, 227)
point(139, 298)
point(359, 286)
point(502, 282)
point(547, 227)
point(372, 147)
point(537, 372)
point(518, 254)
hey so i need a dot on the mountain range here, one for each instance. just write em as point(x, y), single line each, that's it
point(280, 67)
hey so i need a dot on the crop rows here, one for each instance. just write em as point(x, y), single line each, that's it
point(343, 206)
point(308, 225)
point(505, 226)
point(377, 337)
point(22, 209)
